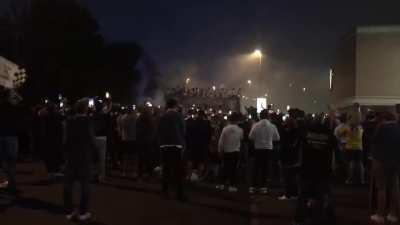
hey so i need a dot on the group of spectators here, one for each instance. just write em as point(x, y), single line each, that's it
point(304, 151)
point(211, 92)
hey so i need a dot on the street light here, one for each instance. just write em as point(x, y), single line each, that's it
point(257, 53)
point(187, 81)
point(304, 89)
point(249, 82)
point(107, 95)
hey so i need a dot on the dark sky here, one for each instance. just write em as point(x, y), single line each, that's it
point(202, 38)
point(207, 38)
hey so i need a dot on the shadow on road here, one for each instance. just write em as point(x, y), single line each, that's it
point(29, 203)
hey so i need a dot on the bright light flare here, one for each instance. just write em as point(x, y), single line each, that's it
point(257, 53)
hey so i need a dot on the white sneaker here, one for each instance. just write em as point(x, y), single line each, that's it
point(71, 216)
point(392, 218)
point(4, 184)
point(232, 189)
point(85, 216)
point(264, 191)
point(283, 198)
point(377, 219)
point(194, 177)
point(252, 190)
point(220, 187)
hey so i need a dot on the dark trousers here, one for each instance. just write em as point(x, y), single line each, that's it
point(173, 172)
point(260, 167)
point(322, 211)
point(230, 162)
point(291, 186)
point(71, 177)
point(145, 158)
point(52, 157)
point(8, 158)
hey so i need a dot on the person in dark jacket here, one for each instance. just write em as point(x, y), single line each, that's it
point(171, 138)
point(201, 142)
point(145, 136)
point(10, 126)
point(385, 168)
point(53, 133)
point(80, 148)
point(315, 160)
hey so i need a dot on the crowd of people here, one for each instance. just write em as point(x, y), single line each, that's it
point(211, 92)
point(304, 152)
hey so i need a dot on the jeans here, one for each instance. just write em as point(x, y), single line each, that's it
point(173, 171)
point(260, 167)
point(8, 158)
point(101, 144)
point(84, 180)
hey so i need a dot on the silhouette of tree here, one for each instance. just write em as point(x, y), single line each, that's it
point(59, 44)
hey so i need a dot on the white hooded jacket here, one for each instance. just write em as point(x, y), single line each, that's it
point(264, 133)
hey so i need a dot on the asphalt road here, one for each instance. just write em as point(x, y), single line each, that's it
point(125, 202)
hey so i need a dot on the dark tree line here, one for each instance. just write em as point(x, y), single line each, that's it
point(59, 44)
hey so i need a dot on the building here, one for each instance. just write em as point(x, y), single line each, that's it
point(367, 69)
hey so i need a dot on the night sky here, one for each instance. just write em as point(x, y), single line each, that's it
point(208, 39)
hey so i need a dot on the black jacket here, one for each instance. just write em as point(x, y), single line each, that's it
point(80, 144)
point(171, 129)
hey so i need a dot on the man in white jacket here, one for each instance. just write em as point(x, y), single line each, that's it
point(229, 146)
point(263, 134)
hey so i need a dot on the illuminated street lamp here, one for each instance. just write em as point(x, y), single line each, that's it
point(249, 82)
point(257, 53)
point(107, 95)
point(187, 81)
point(304, 89)
point(214, 88)
point(287, 107)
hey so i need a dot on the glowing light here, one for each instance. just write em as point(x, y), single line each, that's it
point(60, 97)
point(225, 118)
point(214, 88)
point(313, 115)
point(249, 116)
point(148, 104)
point(219, 111)
point(261, 104)
point(257, 53)
point(304, 89)
point(61, 104)
point(107, 95)
point(133, 107)
point(230, 112)
point(278, 111)
point(91, 103)
point(249, 82)
point(46, 101)
point(187, 81)
point(331, 79)
point(288, 107)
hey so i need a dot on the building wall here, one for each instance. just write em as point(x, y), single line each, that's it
point(378, 62)
point(343, 83)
